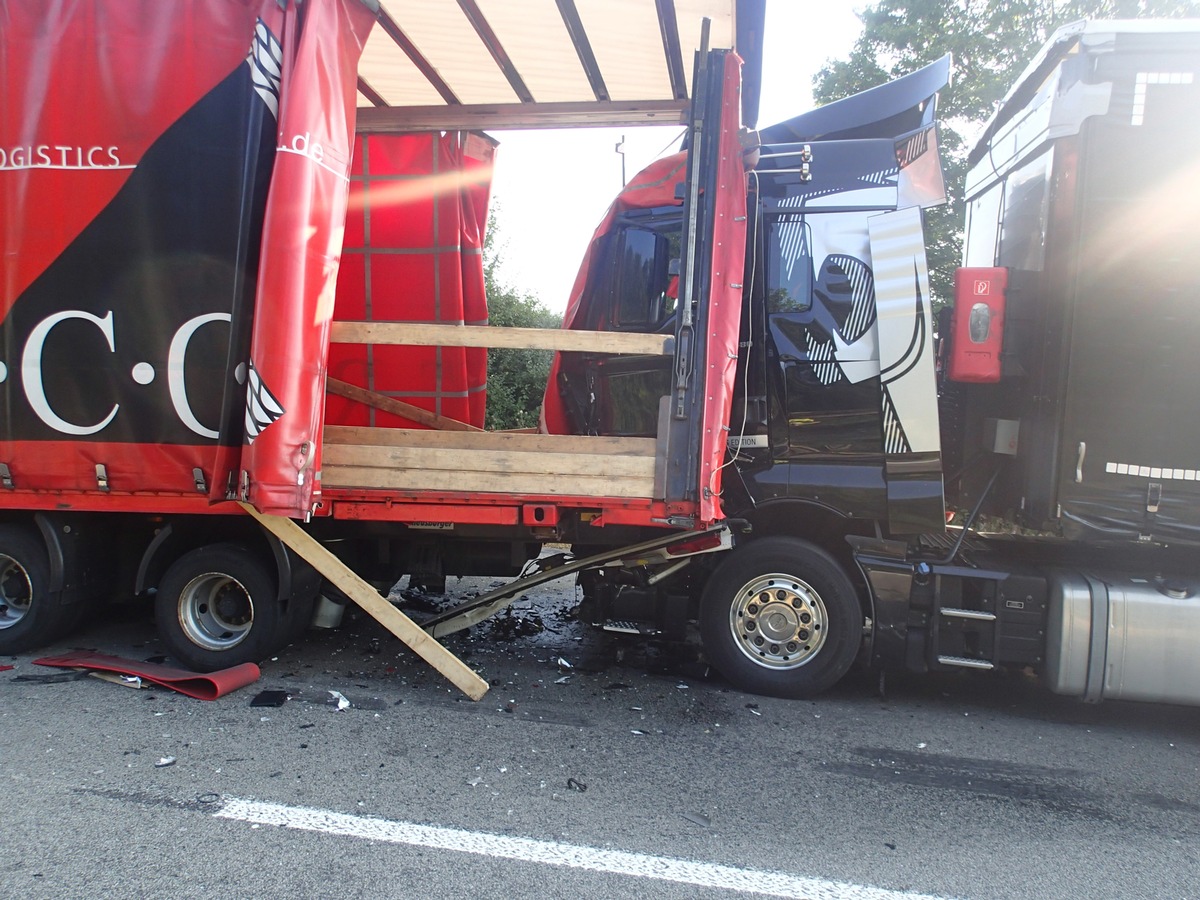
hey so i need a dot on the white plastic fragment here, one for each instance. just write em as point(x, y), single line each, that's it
point(340, 699)
point(164, 761)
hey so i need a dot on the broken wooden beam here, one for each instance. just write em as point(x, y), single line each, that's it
point(350, 584)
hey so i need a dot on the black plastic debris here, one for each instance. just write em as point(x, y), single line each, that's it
point(270, 698)
point(576, 785)
point(511, 625)
point(52, 677)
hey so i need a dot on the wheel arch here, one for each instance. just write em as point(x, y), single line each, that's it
point(179, 536)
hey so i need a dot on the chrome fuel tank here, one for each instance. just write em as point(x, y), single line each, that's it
point(1122, 637)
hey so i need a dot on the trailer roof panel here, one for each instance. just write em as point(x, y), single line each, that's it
point(469, 64)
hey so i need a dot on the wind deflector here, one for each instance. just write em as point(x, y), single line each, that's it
point(898, 107)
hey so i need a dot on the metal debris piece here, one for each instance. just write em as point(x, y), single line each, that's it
point(270, 698)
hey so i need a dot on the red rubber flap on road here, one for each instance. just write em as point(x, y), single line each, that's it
point(208, 686)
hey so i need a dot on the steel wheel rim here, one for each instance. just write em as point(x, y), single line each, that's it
point(16, 591)
point(216, 611)
point(778, 621)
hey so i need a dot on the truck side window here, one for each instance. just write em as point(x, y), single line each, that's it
point(789, 265)
point(643, 298)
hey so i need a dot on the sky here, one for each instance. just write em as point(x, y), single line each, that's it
point(551, 187)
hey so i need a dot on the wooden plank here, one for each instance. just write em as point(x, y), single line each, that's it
point(498, 461)
point(490, 440)
point(449, 665)
point(425, 335)
point(394, 406)
point(371, 478)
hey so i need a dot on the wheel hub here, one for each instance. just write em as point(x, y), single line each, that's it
point(216, 611)
point(778, 621)
point(16, 592)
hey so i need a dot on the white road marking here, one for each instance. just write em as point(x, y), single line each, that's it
point(551, 853)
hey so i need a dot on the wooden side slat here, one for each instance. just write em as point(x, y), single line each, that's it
point(491, 440)
point(497, 461)
point(394, 406)
point(426, 335)
point(372, 478)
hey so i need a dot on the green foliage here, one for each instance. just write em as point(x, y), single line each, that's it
point(992, 41)
point(516, 378)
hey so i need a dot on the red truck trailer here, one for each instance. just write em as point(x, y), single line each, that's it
point(177, 182)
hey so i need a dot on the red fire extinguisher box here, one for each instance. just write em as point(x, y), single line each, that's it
point(977, 324)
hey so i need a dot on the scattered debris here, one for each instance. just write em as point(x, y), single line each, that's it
point(698, 819)
point(576, 785)
point(51, 678)
point(6, 668)
point(374, 645)
point(563, 664)
point(511, 625)
point(563, 680)
point(210, 797)
point(336, 698)
point(681, 686)
point(637, 731)
point(270, 698)
point(164, 761)
point(922, 745)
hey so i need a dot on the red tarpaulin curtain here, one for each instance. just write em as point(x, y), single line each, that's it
point(136, 143)
point(302, 241)
point(414, 253)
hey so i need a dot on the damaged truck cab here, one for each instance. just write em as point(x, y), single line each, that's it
point(833, 426)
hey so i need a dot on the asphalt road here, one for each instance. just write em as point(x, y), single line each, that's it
point(631, 772)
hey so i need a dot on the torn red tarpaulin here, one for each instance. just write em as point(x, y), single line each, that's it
point(202, 686)
point(6, 668)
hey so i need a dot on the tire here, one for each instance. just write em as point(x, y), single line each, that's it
point(29, 615)
point(218, 607)
point(779, 617)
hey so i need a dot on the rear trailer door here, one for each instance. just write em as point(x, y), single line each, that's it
point(710, 294)
point(1129, 462)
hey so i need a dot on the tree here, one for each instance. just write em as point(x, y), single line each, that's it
point(992, 41)
point(516, 378)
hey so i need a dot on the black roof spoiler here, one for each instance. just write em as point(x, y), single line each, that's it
point(898, 107)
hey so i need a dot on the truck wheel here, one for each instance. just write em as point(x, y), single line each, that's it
point(217, 607)
point(780, 617)
point(29, 616)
